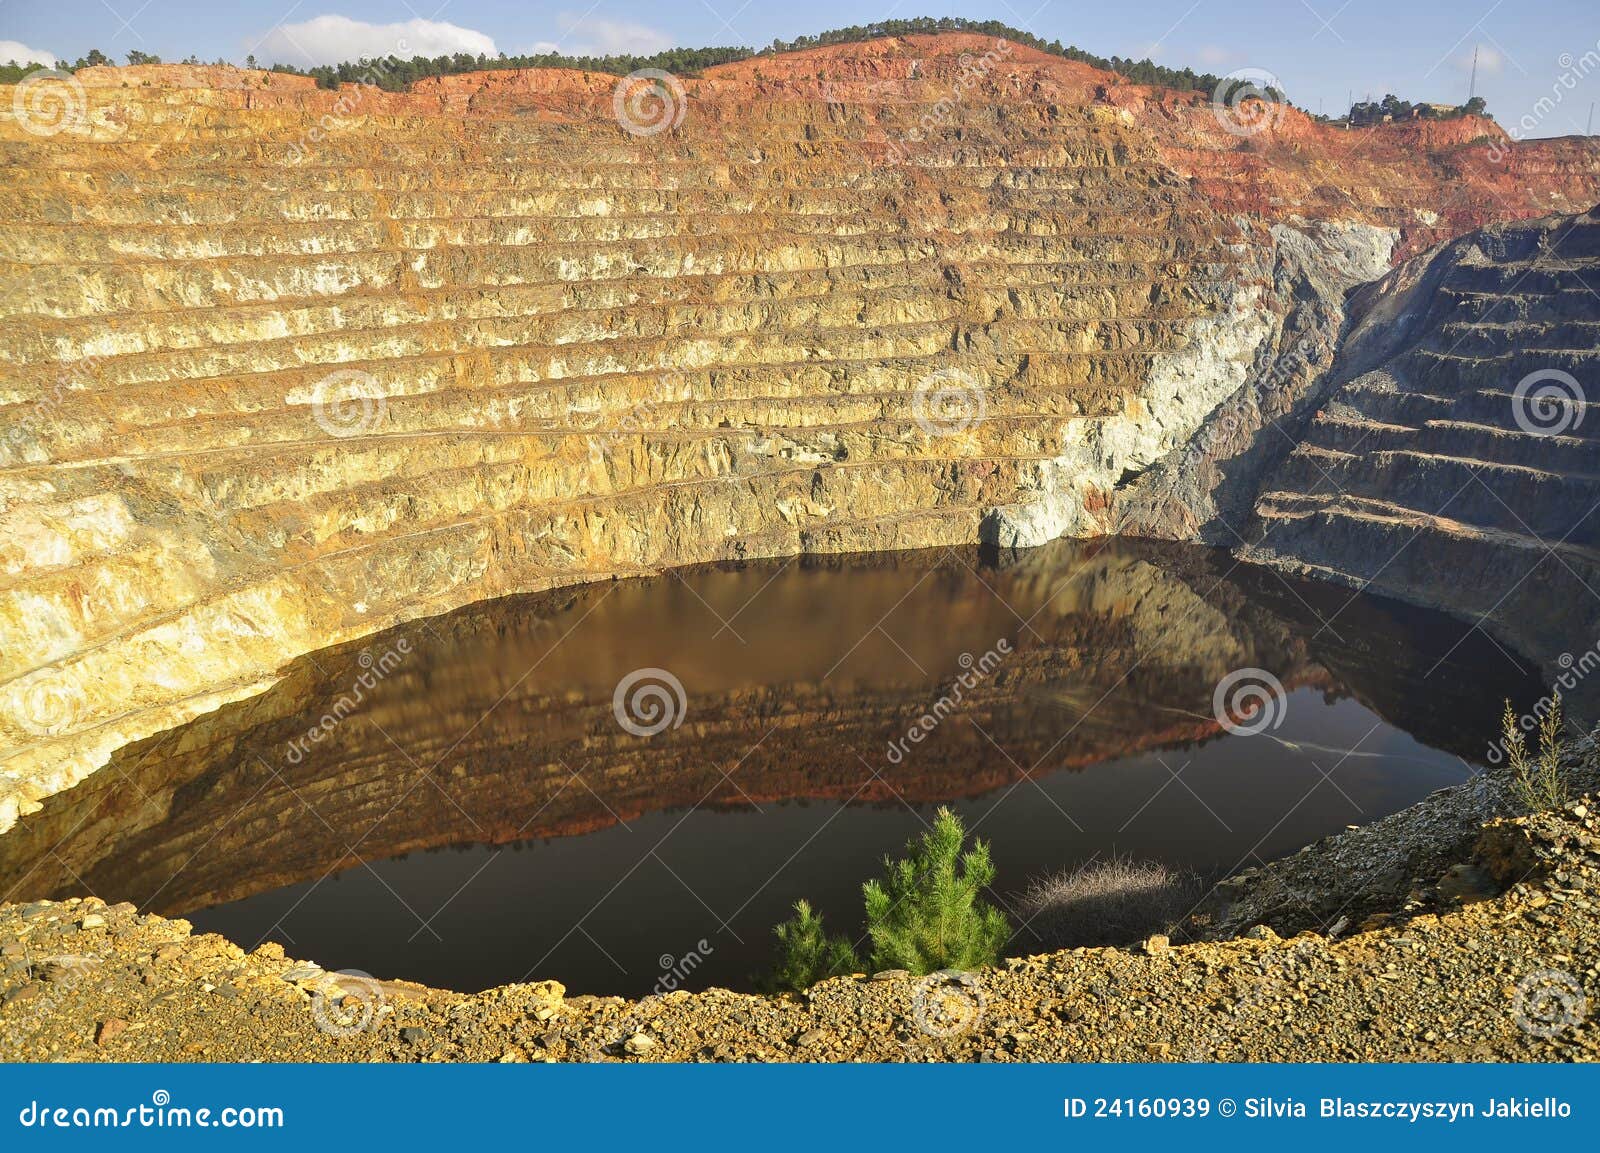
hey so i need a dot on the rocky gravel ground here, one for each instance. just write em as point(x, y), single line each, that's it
point(1492, 952)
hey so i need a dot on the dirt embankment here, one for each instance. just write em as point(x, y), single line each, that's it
point(1434, 935)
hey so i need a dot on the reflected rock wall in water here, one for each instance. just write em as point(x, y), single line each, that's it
point(495, 723)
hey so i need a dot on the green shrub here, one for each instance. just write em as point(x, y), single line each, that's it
point(806, 954)
point(925, 914)
point(1536, 782)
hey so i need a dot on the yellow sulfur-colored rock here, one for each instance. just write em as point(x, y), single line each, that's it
point(280, 367)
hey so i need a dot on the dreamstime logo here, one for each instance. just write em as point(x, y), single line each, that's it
point(50, 101)
point(623, 1038)
point(1549, 1002)
point(675, 969)
point(373, 670)
point(1247, 102)
point(948, 402)
point(75, 377)
point(1233, 425)
point(1574, 670)
point(649, 701)
point(974, 69)
point(345, 105)
point(627, 1038)
point(1548, 402)
point(636, 421)
point(1249, 701)
point(948, 1003)
point(348, 402)
point(346, 1003)
point(649, 102)
point(1574, 71)
point(972, 673)
point(155, 1115)
point(48, 707)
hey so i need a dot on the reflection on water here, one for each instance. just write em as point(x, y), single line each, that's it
point(456, 801)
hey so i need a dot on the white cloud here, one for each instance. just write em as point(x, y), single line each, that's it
point(1212, 55)
point(16, 50)
point(593, 36)
point(1490, 62)
point(331, 39)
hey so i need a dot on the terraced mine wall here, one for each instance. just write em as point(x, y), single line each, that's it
point(1454, 460)
point(284, 367)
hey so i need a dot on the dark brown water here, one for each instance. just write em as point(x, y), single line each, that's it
point(457, 802)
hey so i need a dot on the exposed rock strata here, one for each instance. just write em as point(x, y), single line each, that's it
point(270, 387)
point(1206, 488)
point(1432, 470)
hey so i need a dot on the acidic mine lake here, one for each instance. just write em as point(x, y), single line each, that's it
point(631, 782)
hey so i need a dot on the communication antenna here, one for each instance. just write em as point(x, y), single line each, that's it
point(1589, 128)
point(1472, 86)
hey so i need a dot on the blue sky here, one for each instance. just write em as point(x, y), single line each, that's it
point(1320, 49)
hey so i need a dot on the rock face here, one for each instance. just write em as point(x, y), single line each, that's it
point(1454, 460)
point(284, 367)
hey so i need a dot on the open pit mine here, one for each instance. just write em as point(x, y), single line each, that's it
point(287, 373)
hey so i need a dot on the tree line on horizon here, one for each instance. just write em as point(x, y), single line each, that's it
point(393, 74)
